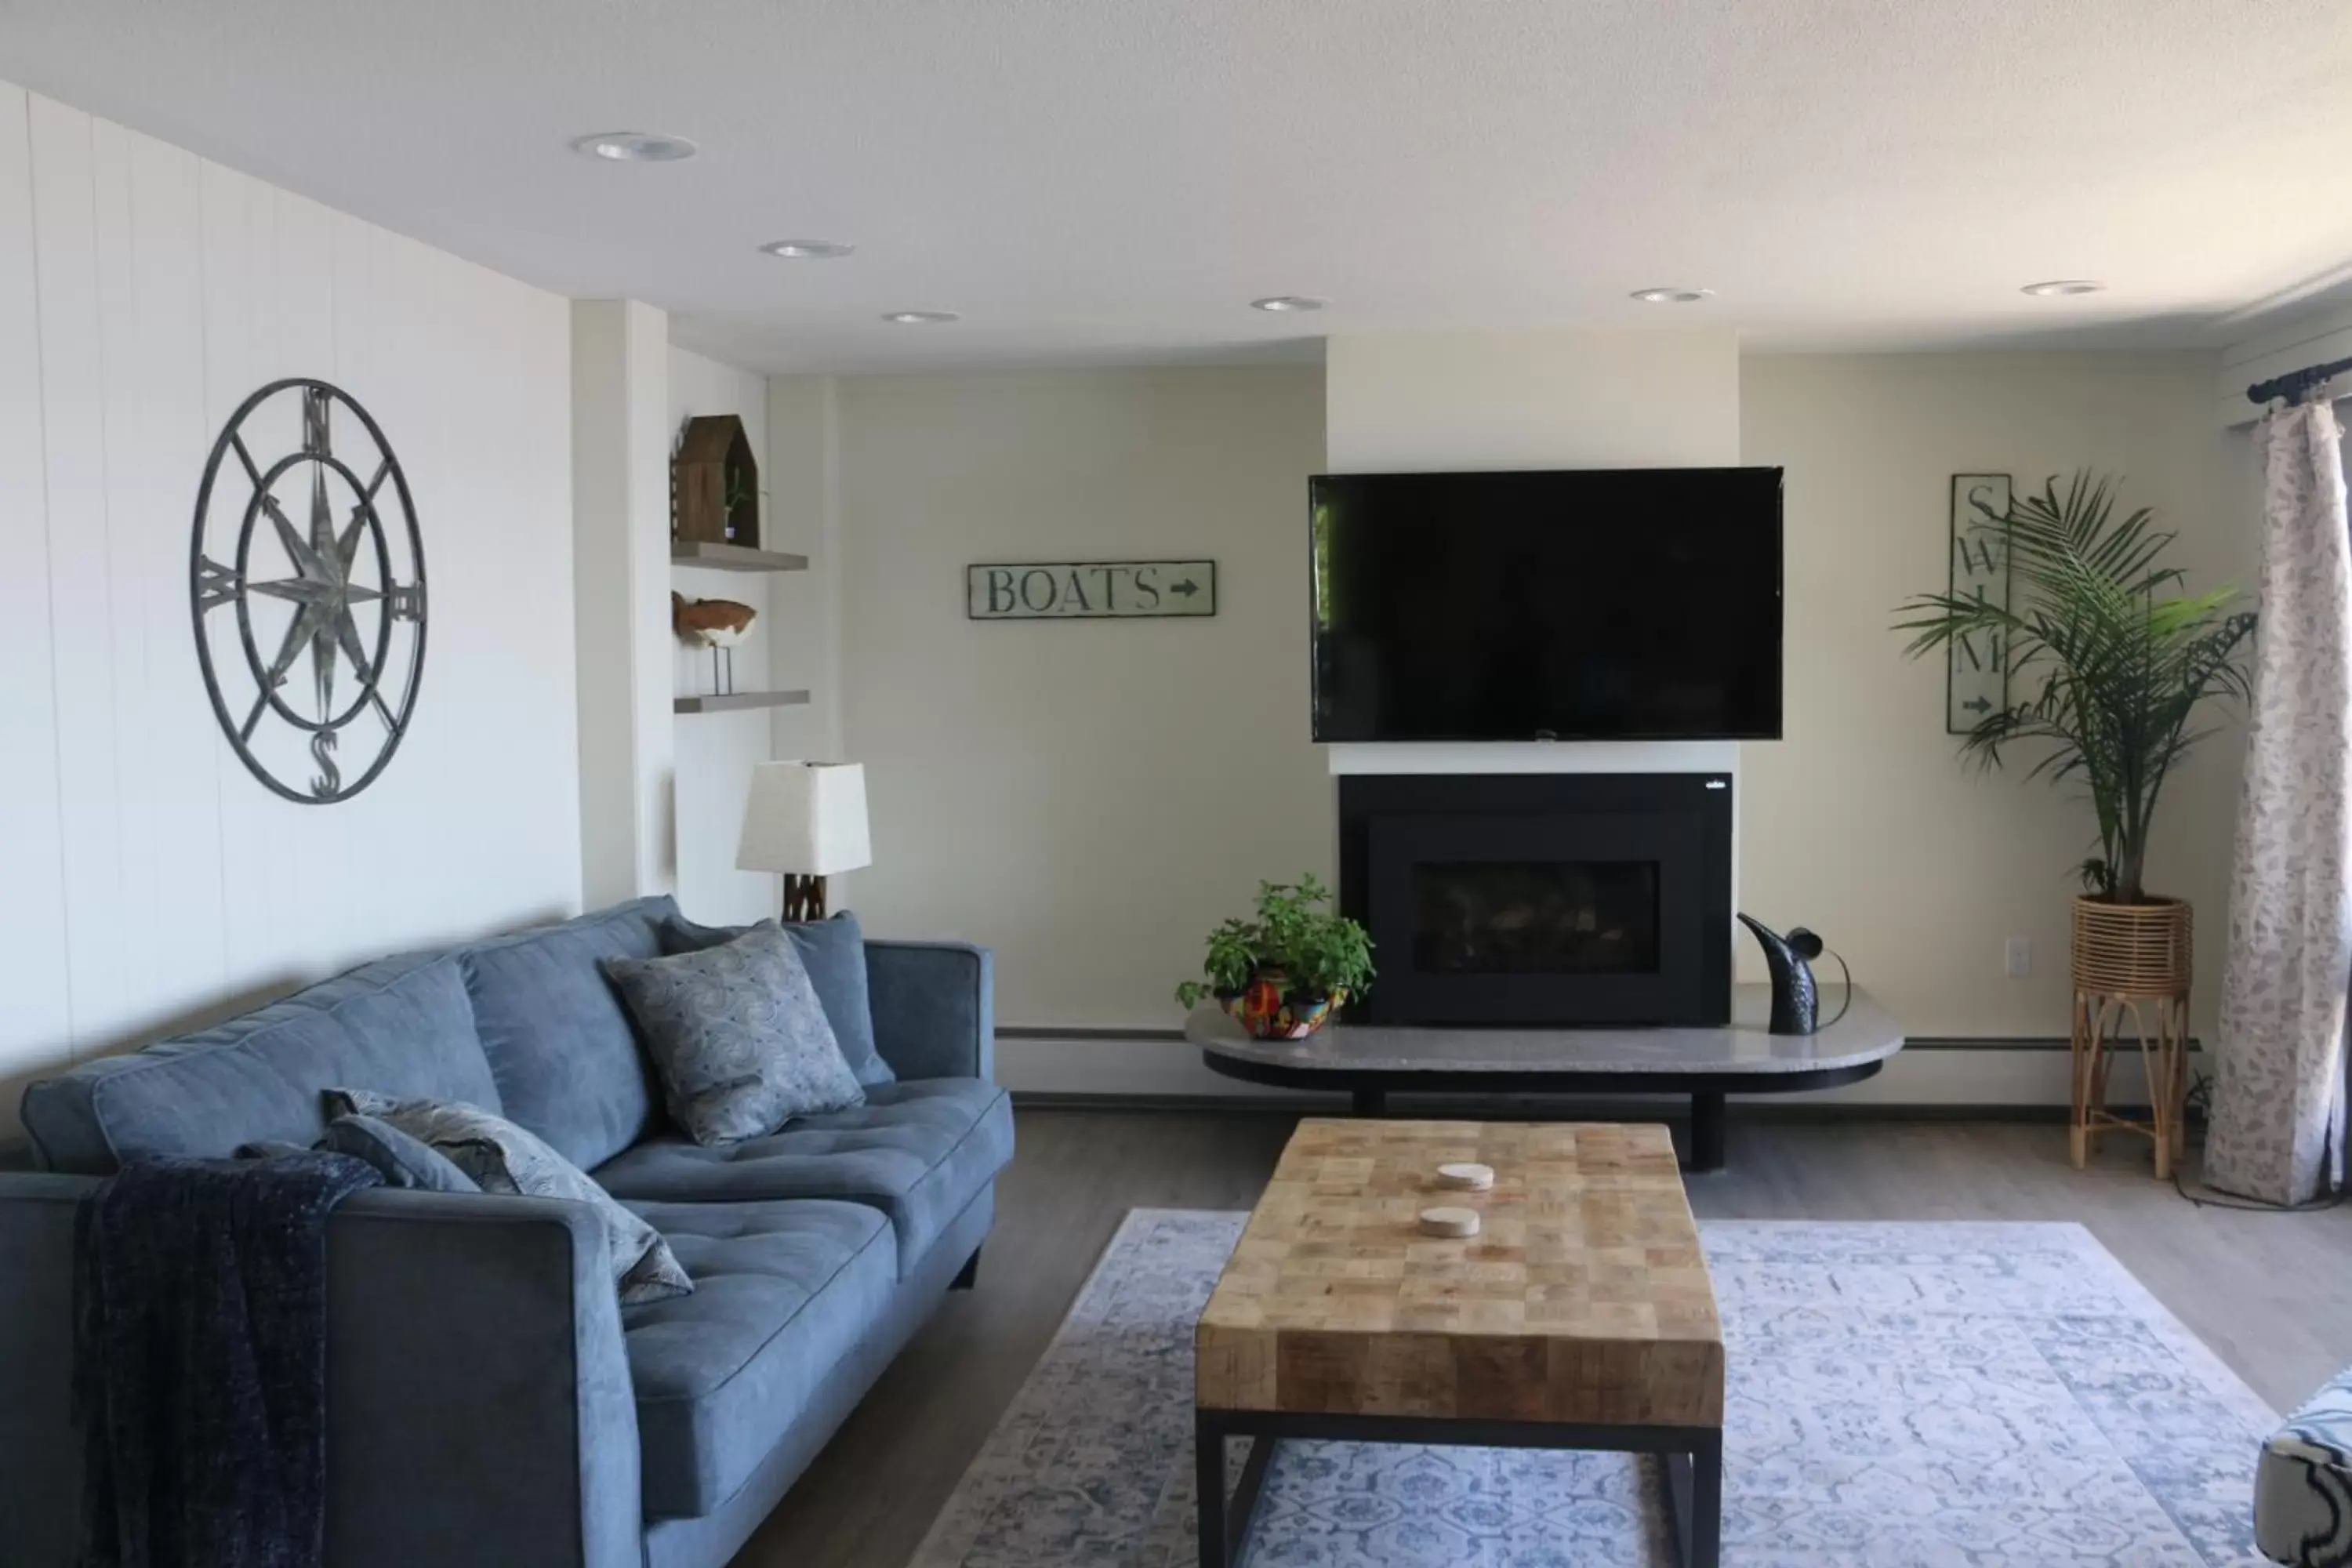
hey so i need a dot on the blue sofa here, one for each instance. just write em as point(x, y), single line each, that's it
point(490, 1402)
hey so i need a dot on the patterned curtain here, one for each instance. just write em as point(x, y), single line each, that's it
point(2278, 1112)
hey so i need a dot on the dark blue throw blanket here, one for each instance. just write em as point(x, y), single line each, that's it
point(200, 1360)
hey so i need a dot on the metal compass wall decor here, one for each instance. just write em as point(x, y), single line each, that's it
point(337, 598)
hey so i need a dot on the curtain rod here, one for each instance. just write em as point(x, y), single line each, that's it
point(2297, 385)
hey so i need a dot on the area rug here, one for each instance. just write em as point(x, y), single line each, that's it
point(1997, 1395)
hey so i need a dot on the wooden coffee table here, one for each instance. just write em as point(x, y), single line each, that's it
point(1581, 1316)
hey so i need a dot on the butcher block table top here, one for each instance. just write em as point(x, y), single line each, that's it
point(1583, 1299)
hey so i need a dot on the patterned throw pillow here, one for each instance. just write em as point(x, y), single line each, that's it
point(401, 1160)
point(501, 1157)
point(738, 1036)
point(833, 953)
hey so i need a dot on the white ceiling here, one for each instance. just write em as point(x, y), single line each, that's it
point(1113, 179)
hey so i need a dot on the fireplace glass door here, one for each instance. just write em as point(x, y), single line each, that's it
point(1536, 917)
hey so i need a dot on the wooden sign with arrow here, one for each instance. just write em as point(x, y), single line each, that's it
point(1090, 590)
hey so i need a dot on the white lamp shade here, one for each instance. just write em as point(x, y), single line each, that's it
point(805, 819)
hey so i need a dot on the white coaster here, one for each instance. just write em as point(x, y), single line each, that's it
point(1449, 1222)
point(1469, 1177)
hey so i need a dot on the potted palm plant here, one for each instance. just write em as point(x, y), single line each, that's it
point(1281, 975)
point(2113, 660)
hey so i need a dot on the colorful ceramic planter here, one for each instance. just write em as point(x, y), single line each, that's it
point(1268, 1012)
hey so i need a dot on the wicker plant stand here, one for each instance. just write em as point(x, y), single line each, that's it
point(2132, 964)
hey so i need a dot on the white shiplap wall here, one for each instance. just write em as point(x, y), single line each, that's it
point(146, 880)
point(2296, 341)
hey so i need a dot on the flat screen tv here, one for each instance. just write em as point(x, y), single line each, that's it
point(1569, 605)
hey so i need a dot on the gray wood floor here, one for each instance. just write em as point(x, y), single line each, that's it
point(2268, 1292)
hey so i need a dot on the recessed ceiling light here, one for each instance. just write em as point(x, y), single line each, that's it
point(807, 249)
point(635, 147)
point(922, 317)
point(1280, 304)
point(2063, 286)
point(1674, 296)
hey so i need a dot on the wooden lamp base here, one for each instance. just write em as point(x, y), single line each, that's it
point(803, 898)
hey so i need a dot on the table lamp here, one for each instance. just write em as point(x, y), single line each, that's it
point(806, 820)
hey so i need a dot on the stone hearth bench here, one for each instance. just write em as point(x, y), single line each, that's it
point(1373, 1063)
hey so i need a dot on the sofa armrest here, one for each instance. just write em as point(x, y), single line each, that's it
point(934, 1007)
point(479, 1410)
point(40, 1451)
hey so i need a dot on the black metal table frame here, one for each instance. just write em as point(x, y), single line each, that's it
point(1370, 1087)
point(1693, 1459)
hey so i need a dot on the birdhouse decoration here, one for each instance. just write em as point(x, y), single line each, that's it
point(715, 484)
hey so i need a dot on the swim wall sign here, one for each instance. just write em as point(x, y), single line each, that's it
point(1090, 590)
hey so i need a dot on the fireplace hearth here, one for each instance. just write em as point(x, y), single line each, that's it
point(1542, 900)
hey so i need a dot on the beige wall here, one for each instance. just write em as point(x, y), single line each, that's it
point(1087, 798)
point(1532, 400)
point(800, 467)
point(1861, 824)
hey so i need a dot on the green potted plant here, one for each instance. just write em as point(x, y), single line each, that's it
point(2108, 663)
point(1282, 973)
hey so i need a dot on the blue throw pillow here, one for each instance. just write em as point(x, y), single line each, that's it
point(833, 953)
point(739, 1040)
point(401, 1160)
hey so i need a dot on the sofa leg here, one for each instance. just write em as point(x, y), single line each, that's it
point(970, 1275)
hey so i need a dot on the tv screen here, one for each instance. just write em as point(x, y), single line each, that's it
point(1572, 605)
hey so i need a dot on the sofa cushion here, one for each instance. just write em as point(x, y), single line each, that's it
point(737, 1035)
point(917, 1150)
point(401, 1025)
point(568, 1067)
point(834, 952)
point(783, 1292)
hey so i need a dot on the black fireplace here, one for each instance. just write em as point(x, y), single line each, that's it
point(1541, 899)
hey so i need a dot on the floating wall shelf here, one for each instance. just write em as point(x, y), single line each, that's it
point(733, 557)
point(735, 701)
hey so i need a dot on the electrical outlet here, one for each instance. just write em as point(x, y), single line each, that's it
point(2017, 957)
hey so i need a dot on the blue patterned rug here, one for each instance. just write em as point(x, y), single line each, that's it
point(1901, 1396)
